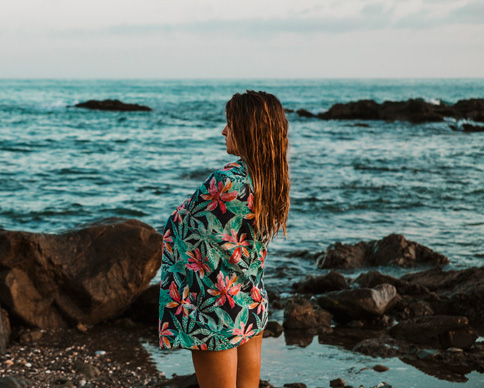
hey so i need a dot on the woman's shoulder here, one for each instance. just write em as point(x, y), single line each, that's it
point(235, 171)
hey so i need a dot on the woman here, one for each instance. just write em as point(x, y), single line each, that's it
point(212, 295)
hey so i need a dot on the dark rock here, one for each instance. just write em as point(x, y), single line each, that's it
point(383, 346)
point(359, 303)
point(113, 105)
point(412, 110)
point(295, 385)
point(185, 381)
point(305, 113)
point(380, 368)
point(300, 315)
point(460, 292)
point(438, 331)
point(470, 109)
point(394, 249)
point(332, 281)
point(336, 383)
point(288, 110)
point(374, 278)
point(472, 128)
point(273, 329)
point(12, 382)
point(87, 275)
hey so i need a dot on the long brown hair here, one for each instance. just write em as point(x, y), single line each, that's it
point(259, 129)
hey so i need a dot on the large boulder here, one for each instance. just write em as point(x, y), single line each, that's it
point(87, 275)
point(470, 109)
point(113, 105)
point(393, 249)
point(360, 303)
point(441, 331)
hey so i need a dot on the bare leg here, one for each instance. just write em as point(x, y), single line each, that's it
point(215, 369)
point(248, 363)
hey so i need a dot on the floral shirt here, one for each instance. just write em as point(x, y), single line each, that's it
point(212, 295)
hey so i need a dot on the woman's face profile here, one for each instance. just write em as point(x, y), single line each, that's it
point(229, 142)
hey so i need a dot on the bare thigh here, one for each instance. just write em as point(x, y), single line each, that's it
point(248, 363)
point(215, 369)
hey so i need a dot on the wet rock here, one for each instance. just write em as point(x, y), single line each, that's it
point(408, 307)
point(457, 292)
point(336, 383)
point(332, 281)
point(413, 110)
point(295, 385)
point(470, 109)
point(273, 329)
point(371, 279)
point(185, 381)
point(394, 249)
point(359, 303)
point(265, 384)
point(427, 354)
point(305, 113)
point(384, 346)
point(300, 315)
point(439, 331)
point(87, 275)
point(380, 368)
point(472, 128)
point(113, 105)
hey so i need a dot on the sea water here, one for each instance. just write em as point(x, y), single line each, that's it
point(63, 167)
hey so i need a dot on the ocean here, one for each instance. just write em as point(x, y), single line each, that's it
point(63, 167)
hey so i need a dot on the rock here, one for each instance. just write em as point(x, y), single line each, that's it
point(88, 370)
point(12, 382)
point(359, 303)
point(273, 329)
point(332, 281)
point(265, 384)
point(427, 354)
point(394, 249)
point(4, 331)
point(438, 331)
point(295, 385)
point(413, 110)
point(305, 113)
point(87, 275)
point(380, 368)
point(300, 315)
point(185, 381)
point(459, 292)
point(336, 383)
point(472, 128)
point(30, 336)
point(374, 278)
point(470, 109)
point(114, 105)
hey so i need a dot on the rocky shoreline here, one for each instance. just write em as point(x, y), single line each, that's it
point(75, 306)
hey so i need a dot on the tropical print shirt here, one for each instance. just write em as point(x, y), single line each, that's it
point(212, 294)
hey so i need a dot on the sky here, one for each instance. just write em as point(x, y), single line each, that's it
point(241, 39)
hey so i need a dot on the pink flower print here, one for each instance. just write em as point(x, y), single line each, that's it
point(219, 195)
point(163, 331)
point(230, 166)
point(225, 289)
point(239, 246)
point(257, 298)
point(183, 302)
point(167, 239)
point(250, 204)
point(197, 264)
point(202, 347)
point(242, 334)
point(262, 257)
